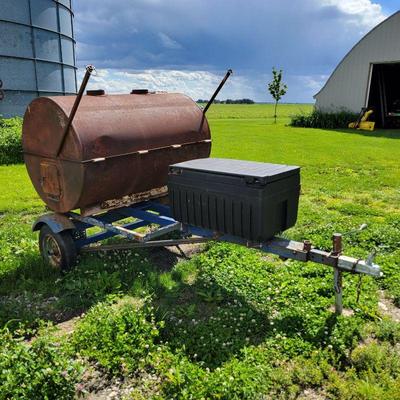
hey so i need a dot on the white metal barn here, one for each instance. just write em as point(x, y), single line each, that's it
point(368, 76)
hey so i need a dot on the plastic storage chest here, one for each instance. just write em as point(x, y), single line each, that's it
point(251, 200)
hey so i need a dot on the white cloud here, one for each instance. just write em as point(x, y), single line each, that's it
point(196, 84)
point(202, 84)
point(312, 82)
point(363, 13)
point(168, 42)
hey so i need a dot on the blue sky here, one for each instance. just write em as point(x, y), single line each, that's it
point(186, 45)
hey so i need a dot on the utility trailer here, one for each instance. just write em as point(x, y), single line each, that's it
point(215, 200)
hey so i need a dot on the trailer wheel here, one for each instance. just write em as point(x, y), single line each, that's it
point(58, 249)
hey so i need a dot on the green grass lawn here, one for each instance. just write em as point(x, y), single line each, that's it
point(17, 192)
point(231, 323)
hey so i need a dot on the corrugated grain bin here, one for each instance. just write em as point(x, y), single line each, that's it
point(118, 145)
point(37, 52)
point(251, 200)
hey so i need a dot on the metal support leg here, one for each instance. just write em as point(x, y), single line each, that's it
point(337, 274)
point(181, 252)
point(338, 291)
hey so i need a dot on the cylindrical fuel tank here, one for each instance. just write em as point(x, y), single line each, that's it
point(117, 145)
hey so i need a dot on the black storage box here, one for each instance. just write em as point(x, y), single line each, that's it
point(251, 200)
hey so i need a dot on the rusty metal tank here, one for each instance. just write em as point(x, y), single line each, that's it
point(117, 147)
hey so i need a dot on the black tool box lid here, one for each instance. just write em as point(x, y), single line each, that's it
point(250, 170)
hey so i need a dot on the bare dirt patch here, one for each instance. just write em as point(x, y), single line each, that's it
point(97, 385)
point(387, 308)
point(67, 327)
point(311, 394)
point(347, 312)
point(166, 257)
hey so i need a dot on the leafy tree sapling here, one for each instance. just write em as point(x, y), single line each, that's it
point(277, 88)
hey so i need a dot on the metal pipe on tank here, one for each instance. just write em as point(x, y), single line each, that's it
point(89, 71)
point(227, 75)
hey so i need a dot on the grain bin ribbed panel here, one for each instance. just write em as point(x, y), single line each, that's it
point(37, 52)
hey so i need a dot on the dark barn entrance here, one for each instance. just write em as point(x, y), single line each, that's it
point(384, 94)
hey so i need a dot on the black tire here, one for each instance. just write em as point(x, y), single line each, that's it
point(57, 249)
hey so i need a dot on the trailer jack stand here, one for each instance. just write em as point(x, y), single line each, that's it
point(338, 286)
point(337, 273)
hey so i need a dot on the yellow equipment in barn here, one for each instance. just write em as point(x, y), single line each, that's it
point(362, 122)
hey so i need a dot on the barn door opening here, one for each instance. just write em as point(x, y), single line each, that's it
point(384, 94)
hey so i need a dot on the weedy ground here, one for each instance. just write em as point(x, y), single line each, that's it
point(230, 323)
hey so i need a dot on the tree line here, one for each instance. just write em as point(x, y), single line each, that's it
point(229, 101)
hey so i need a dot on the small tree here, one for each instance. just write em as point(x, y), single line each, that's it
point(277, 88)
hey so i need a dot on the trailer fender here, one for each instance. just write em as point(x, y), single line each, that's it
point(56, 222)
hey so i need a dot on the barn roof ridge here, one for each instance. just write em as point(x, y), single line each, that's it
point(352, 48)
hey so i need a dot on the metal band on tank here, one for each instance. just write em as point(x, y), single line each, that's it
point(137, 152)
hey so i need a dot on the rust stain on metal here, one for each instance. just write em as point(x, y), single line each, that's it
point(337, 244)
point(50, 179)
point(126, 201)
point(306, 246)
point(117, 146)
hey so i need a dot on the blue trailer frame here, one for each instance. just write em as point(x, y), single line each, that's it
point(158, 217)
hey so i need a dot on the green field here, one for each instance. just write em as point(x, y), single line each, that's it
point(230, 323)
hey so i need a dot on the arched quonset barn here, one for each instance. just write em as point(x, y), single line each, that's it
point(37, 52)
point(368, 76)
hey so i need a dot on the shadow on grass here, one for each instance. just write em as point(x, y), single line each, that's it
point(202, 318)
point(31, 290)
point(211, 325)
point(379, 133)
